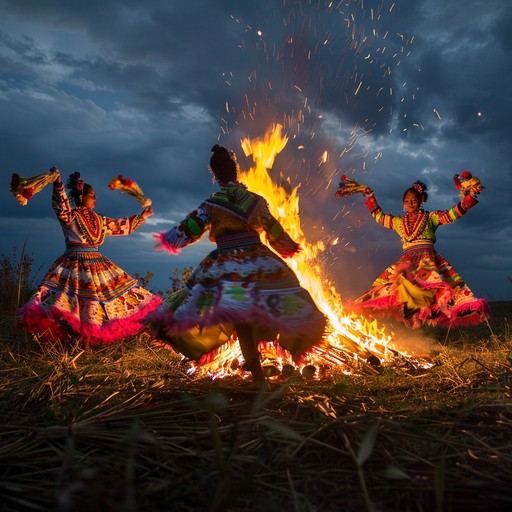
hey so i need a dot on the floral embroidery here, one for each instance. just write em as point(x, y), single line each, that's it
point(90, 224)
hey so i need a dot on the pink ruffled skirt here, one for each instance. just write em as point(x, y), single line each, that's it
point(87, 297)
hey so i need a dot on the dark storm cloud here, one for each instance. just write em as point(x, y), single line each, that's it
point(413, 90)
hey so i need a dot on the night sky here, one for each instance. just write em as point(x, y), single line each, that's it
point(390, 92)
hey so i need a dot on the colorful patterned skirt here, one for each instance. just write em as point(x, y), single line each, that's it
point(422, 287)
point(87, 297)
point(242, 284)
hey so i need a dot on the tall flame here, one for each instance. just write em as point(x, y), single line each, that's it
point(351, 337)
point(353, 343)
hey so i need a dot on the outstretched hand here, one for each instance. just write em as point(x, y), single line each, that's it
point(348, 187)
point(57, 180)
point(290, 254)
point(147, 212)
point(477, 189)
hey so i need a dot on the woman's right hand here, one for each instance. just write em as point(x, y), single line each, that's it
point(147, 212)
point(57, 180)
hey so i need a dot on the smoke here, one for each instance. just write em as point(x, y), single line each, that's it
point(413, 342)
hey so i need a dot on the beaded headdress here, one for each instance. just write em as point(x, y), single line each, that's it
point(74, 182)
point(421, 188)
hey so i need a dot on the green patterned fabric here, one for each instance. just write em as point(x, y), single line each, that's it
point(237, 199)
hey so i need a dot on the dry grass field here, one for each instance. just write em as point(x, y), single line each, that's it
point(126, 428)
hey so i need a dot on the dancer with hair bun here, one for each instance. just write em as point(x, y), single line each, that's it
point(84, 296)
point(421, 287)
point(242, 285)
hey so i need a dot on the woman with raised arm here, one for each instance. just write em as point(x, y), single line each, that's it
point(421, 286)
point(84, 295)
point(242, 285)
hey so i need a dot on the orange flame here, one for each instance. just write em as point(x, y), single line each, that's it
point(353, 343)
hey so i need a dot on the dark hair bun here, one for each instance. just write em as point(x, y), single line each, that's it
point(224, 167)
point(220, 151)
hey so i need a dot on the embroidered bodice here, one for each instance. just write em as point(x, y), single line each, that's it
point(233, 209)
point(83, 226)
point(419, 229)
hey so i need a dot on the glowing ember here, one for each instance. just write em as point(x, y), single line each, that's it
point(353, 343)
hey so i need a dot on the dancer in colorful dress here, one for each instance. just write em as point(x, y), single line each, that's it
point(84, 295)
point(421, 286)
point(242, 285)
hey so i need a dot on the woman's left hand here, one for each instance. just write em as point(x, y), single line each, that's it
point(291, 253)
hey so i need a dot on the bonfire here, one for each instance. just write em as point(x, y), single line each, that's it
point(353, 343)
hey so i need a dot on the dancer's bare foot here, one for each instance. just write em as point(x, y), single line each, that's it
point(254, 367)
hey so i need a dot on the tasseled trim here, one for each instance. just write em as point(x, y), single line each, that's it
point(32, 320)
point(382, 303)
point(164, 323)
point(50, 325)
point(166, 320)
point(388, 307)
point(459, 317)
point(118, 329)
point(164, 245)
point(465, 315)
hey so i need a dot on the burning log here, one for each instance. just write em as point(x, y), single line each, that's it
point(353, 344)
